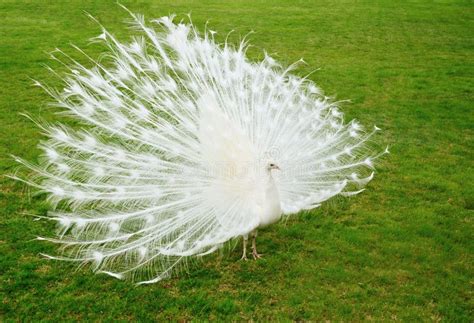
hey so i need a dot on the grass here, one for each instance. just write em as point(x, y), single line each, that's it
point(402, 250)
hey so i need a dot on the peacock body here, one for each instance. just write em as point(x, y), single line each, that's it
point(184, 145)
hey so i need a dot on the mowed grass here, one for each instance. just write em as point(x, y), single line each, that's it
point(402, 250)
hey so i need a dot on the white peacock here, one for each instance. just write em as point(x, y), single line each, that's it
point(185, 145)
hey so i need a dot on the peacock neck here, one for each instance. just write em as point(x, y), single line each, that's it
point(271, 211)
point(269, 181)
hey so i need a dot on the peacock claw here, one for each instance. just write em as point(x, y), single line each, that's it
point(244, 257)
point(256, 255)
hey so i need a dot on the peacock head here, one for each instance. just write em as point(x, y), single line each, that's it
point(272, 165)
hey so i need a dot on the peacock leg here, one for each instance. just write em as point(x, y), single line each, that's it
point(255, 254)
point(244, 255)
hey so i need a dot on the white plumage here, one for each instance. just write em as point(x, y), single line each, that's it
point(185, 144)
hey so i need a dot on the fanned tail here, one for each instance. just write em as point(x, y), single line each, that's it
point(136, 185)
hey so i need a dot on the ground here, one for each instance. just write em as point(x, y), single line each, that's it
point(402, 250)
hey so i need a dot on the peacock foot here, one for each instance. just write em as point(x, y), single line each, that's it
point(256, 255)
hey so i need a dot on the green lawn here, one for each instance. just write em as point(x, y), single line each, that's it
point(402, 250)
